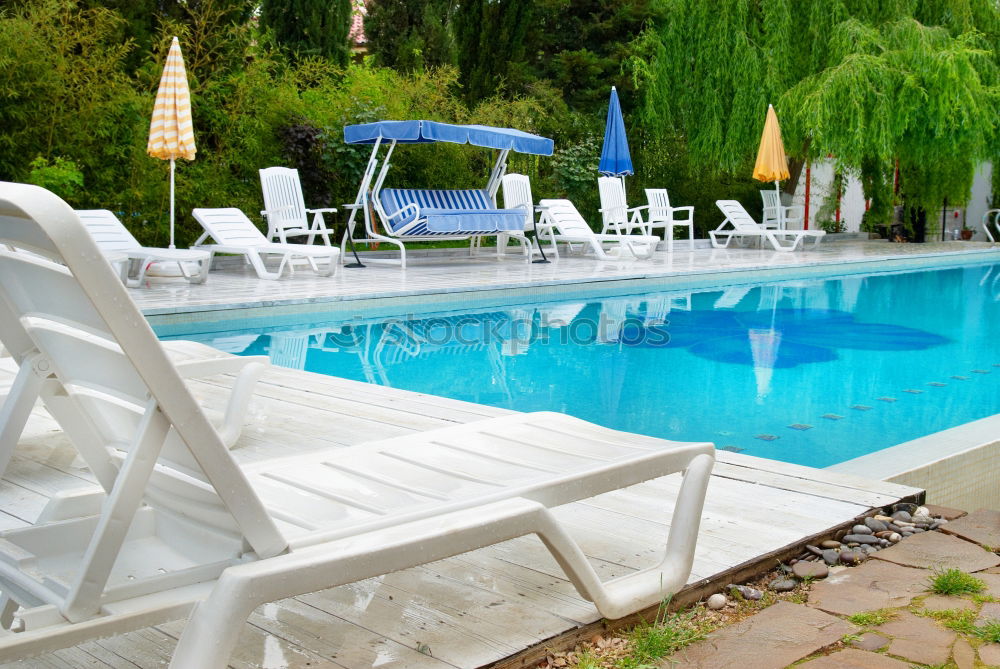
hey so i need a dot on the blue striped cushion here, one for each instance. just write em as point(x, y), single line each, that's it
point(445, 208)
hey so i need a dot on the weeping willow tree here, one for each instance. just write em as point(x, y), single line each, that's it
point(872, 83)
point(907, 93)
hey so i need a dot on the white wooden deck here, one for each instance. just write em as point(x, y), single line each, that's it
point(466, 611)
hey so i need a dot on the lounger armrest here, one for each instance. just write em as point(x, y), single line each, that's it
point(192, 369)
point(271, 212)
point(326, 210)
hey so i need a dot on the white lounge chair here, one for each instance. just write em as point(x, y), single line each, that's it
point(616, 215)
point(180, 529)
point(740, 224)
point(776, 215)
point(285, 210)
point(114, 239)
point(234, 233)
point(661, 215)
point(561, 222)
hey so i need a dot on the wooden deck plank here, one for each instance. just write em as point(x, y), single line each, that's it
point(470, 609)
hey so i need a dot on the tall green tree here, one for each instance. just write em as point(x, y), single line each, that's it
point(490, 35)
point(580, 46)
point(310, 27)
point(411, 35)
point(870, 82)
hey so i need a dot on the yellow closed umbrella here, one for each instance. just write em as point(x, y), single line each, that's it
point(171, 134)
point(771, 165)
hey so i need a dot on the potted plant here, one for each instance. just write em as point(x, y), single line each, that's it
point(967, 232)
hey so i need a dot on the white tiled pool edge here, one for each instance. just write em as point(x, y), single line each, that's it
point(958, 467)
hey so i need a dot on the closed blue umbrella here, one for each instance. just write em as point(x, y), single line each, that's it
point(616, 161)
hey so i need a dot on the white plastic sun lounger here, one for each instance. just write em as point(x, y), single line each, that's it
point(181, 530)
point(234, 233)
point(113, 238)
point(740, 224)
point(561, 222)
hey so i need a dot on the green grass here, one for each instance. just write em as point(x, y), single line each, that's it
point(989, 632)
point(872, 618)
point(960, 620)
point(955, 582)
point(588, 660)
point(667, 634)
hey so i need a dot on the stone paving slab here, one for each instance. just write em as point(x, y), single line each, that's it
point(989, 654)
point(918, 639)
point(772, 639)
point(981, 527)
point(870, 641)
point(947, 603)
point(854, 659)
point(963, 654)
point(873, 585)
point(945, 512)
point(934, 550)
point(992, 581)
point(990, 613)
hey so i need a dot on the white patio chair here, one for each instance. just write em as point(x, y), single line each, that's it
point(285, 210)
point(662, 215)
point(777, 216)
point(562, 222)
point(517, 195)
point(615, 212)
point(181, 530)
point(741, 224)
point(233, 232)
point(115, 241)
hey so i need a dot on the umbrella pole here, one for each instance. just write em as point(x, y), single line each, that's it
point(781, 210)
point(171, 203)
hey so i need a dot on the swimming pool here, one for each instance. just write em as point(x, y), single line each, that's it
point(812, 372)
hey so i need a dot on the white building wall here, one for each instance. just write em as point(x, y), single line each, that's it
point(852, 204)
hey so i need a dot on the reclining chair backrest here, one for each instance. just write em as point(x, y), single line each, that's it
point(737, 215)
point(283, 202)
point(614, 204)
point(517, 195)
point(71, 307)
point(109, 232)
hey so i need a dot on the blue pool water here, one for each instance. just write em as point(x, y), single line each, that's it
point(809, 372)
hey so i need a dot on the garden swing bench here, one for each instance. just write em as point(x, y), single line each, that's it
point(421, 215)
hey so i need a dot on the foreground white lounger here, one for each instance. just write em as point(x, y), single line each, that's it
point(180, 529)
point(233, 232)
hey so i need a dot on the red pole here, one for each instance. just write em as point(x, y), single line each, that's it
point(808, 184)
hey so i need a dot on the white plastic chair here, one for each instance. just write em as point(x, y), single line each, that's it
point(115, 241)
point(517, 195)
point(180, 529)
point(662, 215)
point(562, 222)
point(234, 233)
point(777, 216)
point(285, 209)
point(615, 212)
point(740, 224)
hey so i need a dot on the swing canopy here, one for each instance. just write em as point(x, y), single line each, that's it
point(422, 132)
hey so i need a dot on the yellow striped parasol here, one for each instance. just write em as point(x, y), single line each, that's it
point(171, 134)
